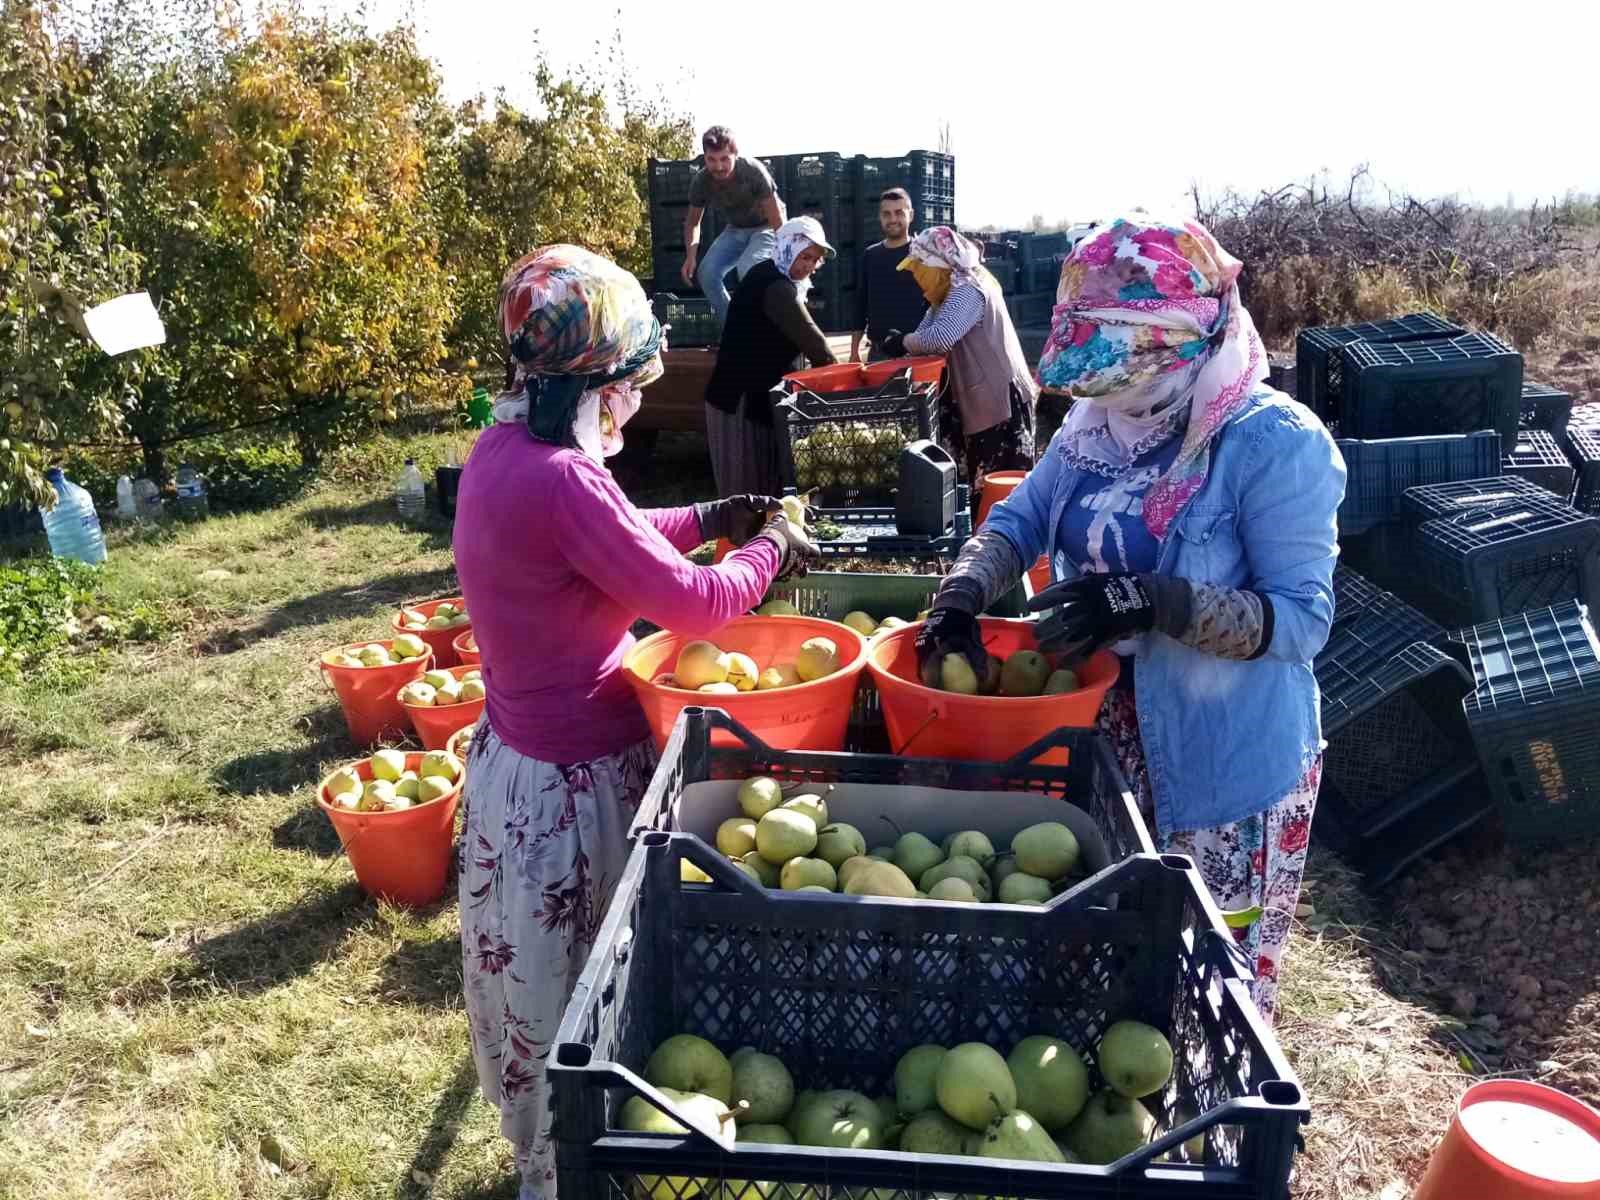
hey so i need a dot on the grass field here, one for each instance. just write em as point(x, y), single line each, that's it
point(197, 1001)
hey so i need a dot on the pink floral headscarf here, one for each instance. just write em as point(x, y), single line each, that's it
point(946, 249)
point(1149, 334)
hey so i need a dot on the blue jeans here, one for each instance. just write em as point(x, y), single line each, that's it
point(732, 249)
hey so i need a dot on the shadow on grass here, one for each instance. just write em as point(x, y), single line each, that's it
point(333, 604)
point(378, 511)
point(281, 770)
point(309, 830)
point(426, 972)
point(444, 1127)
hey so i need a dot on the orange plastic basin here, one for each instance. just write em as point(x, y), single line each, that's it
point(368, 695)
point(997, 485)
point(807, 716)
point(403, 857)
point(435, 723)
point(931, 723)
point(466, 647)
point(1513, 1140)
point(439, 640)
point(844, 377)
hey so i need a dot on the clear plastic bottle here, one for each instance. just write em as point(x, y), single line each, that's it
point(71, 523)
point(191, 488)
point(125, 507)
point(147, 500)
point(409, 493)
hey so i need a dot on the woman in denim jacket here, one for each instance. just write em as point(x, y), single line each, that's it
point(1189, 515)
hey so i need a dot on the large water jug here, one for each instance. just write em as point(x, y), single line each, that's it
point(409, 493)
point(126, 510)
point(71, 523)
point(191, 488)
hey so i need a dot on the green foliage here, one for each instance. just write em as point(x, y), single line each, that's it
point(246, 478)
point(39, 598)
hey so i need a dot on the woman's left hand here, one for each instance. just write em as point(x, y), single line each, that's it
point(738, 518)
point(1094, 610)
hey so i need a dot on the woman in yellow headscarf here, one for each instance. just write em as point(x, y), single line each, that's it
point(987, 417)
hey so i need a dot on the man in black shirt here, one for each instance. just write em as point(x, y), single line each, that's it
point(889, 298)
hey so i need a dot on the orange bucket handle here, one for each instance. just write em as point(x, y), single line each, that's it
point(327, 680)
point(934, 714)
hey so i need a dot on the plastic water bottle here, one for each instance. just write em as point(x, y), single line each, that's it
point(147, 500)
point(125, 509)
point(71, 523)
point(409, 495)
point(191, 489)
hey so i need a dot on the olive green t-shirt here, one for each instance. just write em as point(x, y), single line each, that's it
point(738, 197)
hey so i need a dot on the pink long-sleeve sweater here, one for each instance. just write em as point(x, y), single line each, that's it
point(555, 565)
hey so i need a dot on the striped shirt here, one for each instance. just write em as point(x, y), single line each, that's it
point(946, 325)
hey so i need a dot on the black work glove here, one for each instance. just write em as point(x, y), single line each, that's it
point(950, 630)
point(797, 549)
point(1095, 610)
point(738, 518)
point(893, 344)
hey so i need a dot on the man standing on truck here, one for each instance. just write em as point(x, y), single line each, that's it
point(742, 190)
point(889, 298)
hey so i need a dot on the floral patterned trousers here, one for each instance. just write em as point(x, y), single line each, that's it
point(542, 848)
point(1256, 861)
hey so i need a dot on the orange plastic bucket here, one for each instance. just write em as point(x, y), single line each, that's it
point(455, 746)
point(1511, 1140)
point(403, 857)
point(931, 723)
point(844, 377)
point(435, 723)
point(440, 640)
point(807, 716)
point(372, 709)
point(997, 485)
point(466, 648)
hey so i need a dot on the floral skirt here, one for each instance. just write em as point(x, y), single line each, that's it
point(1004, 447)
point(542, 848)
point(1256, 861)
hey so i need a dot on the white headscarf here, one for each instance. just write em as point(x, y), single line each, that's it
point(794, 237)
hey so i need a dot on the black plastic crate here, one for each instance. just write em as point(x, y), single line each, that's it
point(1004, 271)
point(1318, 377)
point(691, 319)
point(934, 173)
point(1090, 781)
point(670, 179)
point(1041, 275)
point(1493, 562)
point(845, 446)
point(1540, 460)
point(1534, 714)
point(1353, 593)
point(666, 228)
point(839, 987)
point(1042, 247)
point(1397, 740)
point(1443, 385)
point(1463, 495)
point(1381, 469)
point(1545, 407)
point(1033, 310)
point(1583, 452)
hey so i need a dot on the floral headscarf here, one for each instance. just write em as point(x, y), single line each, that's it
point(792, 239)
point(1147, 316)
point(582, 340)
point(943, 248)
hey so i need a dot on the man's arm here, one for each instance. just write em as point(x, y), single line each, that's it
point(772, 210)
point(863, 302)
point(691, 240)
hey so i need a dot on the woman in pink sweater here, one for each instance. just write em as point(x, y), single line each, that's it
point(556, 565)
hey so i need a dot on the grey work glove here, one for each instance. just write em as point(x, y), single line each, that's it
point(797, 549)
point(1097, 609)
point(738, 518)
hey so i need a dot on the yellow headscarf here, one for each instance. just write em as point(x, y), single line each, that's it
point(934, 281)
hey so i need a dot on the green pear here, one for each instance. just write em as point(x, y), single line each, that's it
point(914, 1078)
point(769, 875)
point(1004, 865)
point(850, 866)
point(914, 854)
point(1061, 682)
point(1135, 1059)
point(1067, 1154)
point(884, 853)
point(691, 1064)
point(815, 887)
point(1024, 674)
point(959, 867)
point(736, 836)
point(803, 1100)
point(890, 1114)
point(838, 841)
point(934, 1133)
point(974, 1086)
point(973, 844)
point(954, 890)
point(777, 608)
point(842, 1120)
point(1018, 1135)
point(1109, 1127)
point(956, 675)
point(807, 872)
point(991, 679)
point(638, 1115)
point(1052, 1082)
point(881, 879)
point(759, 796)
point(1048, 849)
point(387, 764)
point(1021, 888)
point(764, 1083)
point(812, 806)
point(741, 1052)
point(745, 1189)
point(784, 834)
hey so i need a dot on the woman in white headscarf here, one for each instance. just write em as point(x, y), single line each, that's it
point(767, 334)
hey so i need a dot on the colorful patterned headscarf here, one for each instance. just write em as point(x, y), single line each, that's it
point(1148, 316)
point(944, 249)
point(575, 323)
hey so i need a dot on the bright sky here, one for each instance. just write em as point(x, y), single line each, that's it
point(1073, 110)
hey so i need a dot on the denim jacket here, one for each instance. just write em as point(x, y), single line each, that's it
point(1225, 739)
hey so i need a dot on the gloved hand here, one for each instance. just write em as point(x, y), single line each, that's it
point(950, 630)
point(738, 518)
point(1095, 610)
point(893, 344)
point(797, 549)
